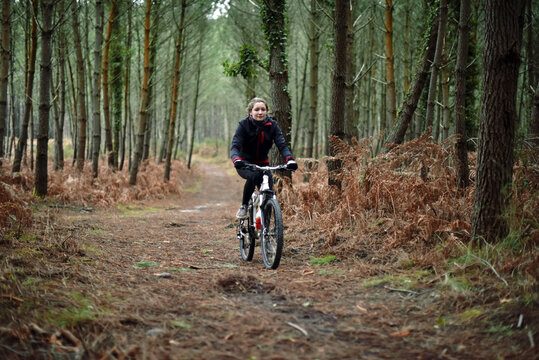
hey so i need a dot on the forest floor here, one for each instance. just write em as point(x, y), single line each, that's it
point(164, 279)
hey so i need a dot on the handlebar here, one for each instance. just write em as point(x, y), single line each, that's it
point(264, 168)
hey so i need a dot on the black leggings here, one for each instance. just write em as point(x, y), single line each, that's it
point(254, 178)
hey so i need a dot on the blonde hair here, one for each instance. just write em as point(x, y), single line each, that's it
point(254, 101)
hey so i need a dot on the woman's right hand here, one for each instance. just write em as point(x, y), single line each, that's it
point(238, 164)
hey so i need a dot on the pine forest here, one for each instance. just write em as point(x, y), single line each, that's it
point(415, 125)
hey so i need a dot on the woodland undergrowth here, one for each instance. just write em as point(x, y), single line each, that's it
point(402, 210)
point(398, 210)
point(71, 187)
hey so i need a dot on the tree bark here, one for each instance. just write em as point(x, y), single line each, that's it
point(391, 106)
point(350, 121)
point(106, 93)
point(174, 103)
point(446, 112)
point(501, 61)
point(60, 96)
point(410, 104)
point(195, 103)
point(151, 122)
point(81, 93)
point(116, 65)
point(127, 93)
point(273, 17)
point(21, 145)
point(406, 80)
point(144, 97)
point(338, 89)
point(461, 153)
point(41, 175)
point(442, 21)
point(96, 99)
point(314, 39)
point(4, 71)
point(534, 123)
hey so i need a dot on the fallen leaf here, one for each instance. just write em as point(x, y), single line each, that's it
point(361, 308)
point(402, 333)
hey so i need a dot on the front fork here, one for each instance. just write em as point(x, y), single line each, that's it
point(268, 194)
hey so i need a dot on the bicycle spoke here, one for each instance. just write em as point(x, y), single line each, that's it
point(272, 234)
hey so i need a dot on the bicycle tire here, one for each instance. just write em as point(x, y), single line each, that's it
point(271, 241)
point(246, 236)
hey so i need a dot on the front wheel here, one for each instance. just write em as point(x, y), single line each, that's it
point(247, 238)
point(271, 241)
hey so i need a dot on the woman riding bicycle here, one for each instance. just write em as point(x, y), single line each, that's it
point(251, 143)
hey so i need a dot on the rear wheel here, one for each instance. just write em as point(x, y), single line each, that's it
point(272, 234)
point(246, 237)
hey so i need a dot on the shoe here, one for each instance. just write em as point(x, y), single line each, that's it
point(242, 212)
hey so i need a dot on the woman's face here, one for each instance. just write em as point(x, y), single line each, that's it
point(259, 111)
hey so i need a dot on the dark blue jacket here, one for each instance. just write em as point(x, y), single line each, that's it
point(253, 141)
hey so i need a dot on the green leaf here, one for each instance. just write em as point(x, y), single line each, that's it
point(322, 261)
point(180, 324)
point(228, 266)
point(145, 263)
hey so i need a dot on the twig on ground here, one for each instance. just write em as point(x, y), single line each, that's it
point(402, 290)
point(299, 328)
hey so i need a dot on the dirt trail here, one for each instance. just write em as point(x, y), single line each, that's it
point(167, 281)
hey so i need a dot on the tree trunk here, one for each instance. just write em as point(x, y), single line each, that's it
point(391, 106)
point(299, 110)
point(437, 64)
point(4, 72)
point(73, 116)
point(96, 99)
point(350, 122)
point(13, 102)
point(446, 113)
point(144, 97)
point(116, 65)
point(151, 122)
point(23, 138)
point(406, 48)
point(410, 104)
point(461, 153)
point(127, 93)
point(81, 93)
point(60, 95)
point(174, 103)
point(106, 92)
point(195, 103)
point(534, 122)
point(41, 176)
point(501, 60)
point(338, 89)
point(314, 39)
point(273, 17)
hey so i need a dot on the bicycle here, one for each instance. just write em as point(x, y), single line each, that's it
point(264, 221)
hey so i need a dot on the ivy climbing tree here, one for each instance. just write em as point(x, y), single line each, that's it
point(246, 68)
point(274, 26)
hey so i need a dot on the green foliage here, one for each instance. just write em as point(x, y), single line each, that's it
point(273, 25)
point(180, 324)
point(145, 263)
point(79, 310)
point(246, 65)
point(322, 261)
